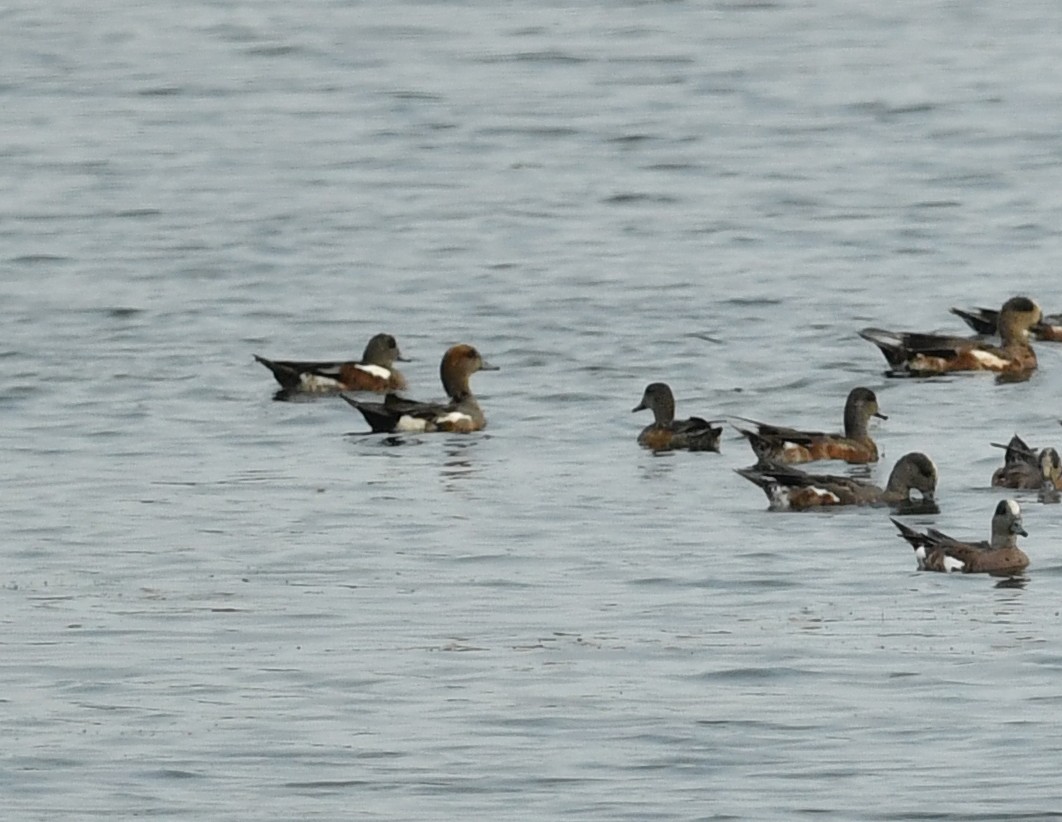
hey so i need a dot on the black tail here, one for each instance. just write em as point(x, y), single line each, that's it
point(283, 373)
point(380, 418)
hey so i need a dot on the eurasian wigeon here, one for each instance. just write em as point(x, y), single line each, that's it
point(461, 414)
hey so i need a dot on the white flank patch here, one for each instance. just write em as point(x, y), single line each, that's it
point(375, 370)
point(314, 382)
point(952, 564)
point(826, 495)
point(792, 450)
point(988, 359)
point(920, 555)
point(410, 425)
point(453, 416)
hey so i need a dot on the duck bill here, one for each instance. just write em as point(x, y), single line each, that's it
point(880, 416)
point(639, 407)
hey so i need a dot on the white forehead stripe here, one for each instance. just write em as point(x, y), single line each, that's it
point(1013, 508)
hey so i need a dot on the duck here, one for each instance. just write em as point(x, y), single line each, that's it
point(461, 413)
point(773, 443)
point(373, 372)
point(1026, 468)
point(1000, 556)
point(986, 321)
point(789, 488)
point(915, 354)
point(666, 433)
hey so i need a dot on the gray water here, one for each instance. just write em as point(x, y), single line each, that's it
point(217, 606)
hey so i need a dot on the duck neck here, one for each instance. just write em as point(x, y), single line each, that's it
point(1013, 334)
point(664, 409)
point(855, 422)
point(456, 386)
point(1002, 537)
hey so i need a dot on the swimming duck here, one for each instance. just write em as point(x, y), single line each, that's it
point(373, 372)
point(1023, 467)
point(461, 414)
point(1000, 556)
point(666, 433)
point(772, 443)
point(792, 489)
point(986, 321)
point(914, 354)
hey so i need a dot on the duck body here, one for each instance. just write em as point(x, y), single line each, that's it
point(666, 433)
point(999, 556)
point(396, 415)
point(778, 444)
point(918, 354)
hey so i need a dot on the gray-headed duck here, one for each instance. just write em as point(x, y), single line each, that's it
point(919, 355)
point(666, 433)
point(373, 372)
point(774, 443)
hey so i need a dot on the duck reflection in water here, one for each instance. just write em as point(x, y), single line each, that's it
point(458, 463)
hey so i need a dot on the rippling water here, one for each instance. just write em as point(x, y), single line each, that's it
point(219, 606)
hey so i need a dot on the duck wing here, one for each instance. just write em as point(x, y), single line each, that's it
point(900, 346)
point(981, 320)
point(696, 434)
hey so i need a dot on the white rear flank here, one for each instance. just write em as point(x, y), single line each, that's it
point(792, 450)
point(778, 496)
point(411, 425)
point(315, 382)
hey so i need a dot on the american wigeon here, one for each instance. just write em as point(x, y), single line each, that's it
point(986, 321)
point(666, 433)
point(1000, 556)
point(914, 354)
point(1026, 468)
point(373, 372)
point(774, 443)
point(792, 489)
point(461, 414)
